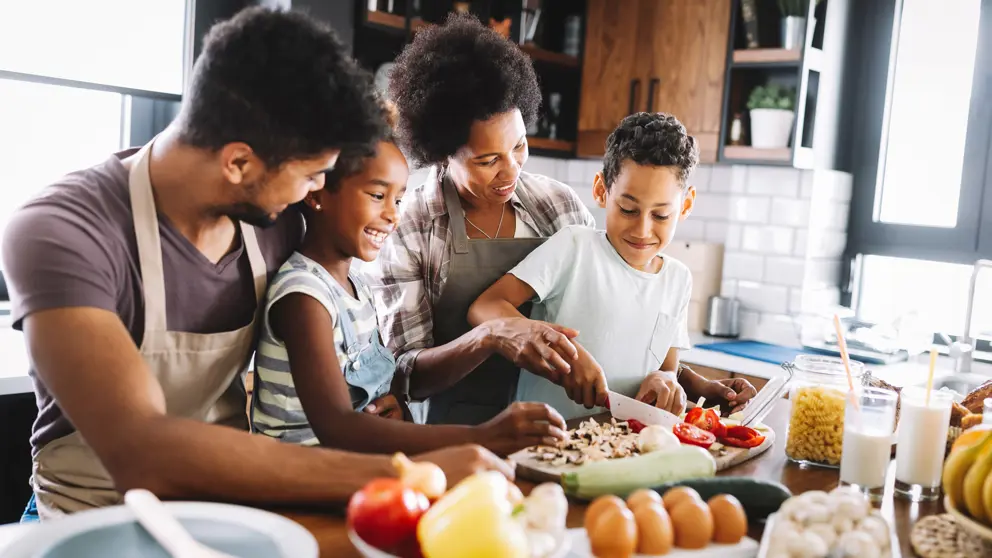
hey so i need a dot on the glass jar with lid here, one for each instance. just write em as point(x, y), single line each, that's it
point(818, 393)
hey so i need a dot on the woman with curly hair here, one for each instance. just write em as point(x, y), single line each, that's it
point(465, 96)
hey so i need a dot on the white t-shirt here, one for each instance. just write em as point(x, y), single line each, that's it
point(627, 319)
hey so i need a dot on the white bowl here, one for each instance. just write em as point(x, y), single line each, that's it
point(369, 551)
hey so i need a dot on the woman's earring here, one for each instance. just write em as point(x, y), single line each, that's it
point(316, 207)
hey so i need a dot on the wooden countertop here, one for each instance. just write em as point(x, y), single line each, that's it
point(772, 465)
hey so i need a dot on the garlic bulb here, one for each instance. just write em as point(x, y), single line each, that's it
point(546, 507)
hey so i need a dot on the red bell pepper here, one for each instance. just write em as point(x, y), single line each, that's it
point(742, 437)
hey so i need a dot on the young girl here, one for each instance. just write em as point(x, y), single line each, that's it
point(321, 358)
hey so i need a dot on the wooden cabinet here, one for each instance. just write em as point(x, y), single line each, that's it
point(654, 55)
point(611, 80)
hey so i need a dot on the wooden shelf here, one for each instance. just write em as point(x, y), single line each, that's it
point(538, 53)
point(550, 144)
point(386, 19)
point(748, 153)
point(766, 57)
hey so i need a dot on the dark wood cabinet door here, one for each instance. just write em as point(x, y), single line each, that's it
point(612, 82)
point(686, 71)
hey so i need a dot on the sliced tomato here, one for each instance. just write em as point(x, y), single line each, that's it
point(706, 419)
point(689, 434)
point(742, 437)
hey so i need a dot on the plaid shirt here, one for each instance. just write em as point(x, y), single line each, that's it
point(409, 275)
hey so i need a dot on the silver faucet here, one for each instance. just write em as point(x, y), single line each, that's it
point(965, 349)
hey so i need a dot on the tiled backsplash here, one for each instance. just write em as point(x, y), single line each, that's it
point(783, 229)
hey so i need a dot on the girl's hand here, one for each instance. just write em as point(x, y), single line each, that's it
point(732, 393)
point(662, 390)
point(386, 406)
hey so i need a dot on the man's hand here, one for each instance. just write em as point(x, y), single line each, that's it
point(586, 383)
point(542, 348)
point(386, 406)
point(662, 390)
point(459, 462)
point(521, 425)
point(732, 393)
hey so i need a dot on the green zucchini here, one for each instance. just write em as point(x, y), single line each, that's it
point(623, 476)
point(760, 498)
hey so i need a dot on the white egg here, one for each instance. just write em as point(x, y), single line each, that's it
point(858, 544)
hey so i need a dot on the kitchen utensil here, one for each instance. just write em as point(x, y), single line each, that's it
point(625, 408)
point(723, 317)
point(161, 525)
point(762, 404)
point(746, 548)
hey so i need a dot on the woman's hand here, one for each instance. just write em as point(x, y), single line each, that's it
point(662, 390)
point(542, 348)
point(732, 393)
point(521, 425)
point(386, 406)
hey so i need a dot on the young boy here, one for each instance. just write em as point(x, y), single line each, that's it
point(322, 373)
point(626, 298)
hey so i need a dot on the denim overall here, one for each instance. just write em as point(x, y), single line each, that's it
point(370, 369)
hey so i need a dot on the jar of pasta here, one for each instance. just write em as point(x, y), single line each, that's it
point(818, 393)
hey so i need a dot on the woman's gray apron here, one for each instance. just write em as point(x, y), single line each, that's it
point(475, 265)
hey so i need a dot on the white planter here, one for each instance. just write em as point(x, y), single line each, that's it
point(771, 128)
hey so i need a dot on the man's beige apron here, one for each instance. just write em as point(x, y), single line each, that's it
point(474, 266)
point(199, 373)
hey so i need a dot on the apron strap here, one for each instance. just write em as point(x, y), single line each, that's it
point(148, 241)
point(258, 270)
point(456, 215)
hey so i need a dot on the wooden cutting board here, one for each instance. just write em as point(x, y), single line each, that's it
point(529, 467)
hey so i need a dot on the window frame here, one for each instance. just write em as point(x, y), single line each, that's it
point(869, 74)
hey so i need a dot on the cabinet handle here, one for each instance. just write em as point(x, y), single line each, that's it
point(651, 85)
point(634, 84)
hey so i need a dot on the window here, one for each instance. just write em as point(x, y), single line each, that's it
point(932, 81)
point(47, 131)
point(82, 80)
point(919, 78)
point(123, 43)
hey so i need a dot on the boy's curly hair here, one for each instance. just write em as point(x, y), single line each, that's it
point(653, 139)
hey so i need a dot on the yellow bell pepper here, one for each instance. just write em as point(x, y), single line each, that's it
point(474, 519)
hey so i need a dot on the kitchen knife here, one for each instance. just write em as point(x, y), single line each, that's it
point(624, 408)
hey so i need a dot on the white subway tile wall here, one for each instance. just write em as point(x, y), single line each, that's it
point(783, 230)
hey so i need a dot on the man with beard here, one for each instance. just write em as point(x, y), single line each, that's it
point(136, 282)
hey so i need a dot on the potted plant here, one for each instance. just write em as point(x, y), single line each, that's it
point(793, 22)
point(772, 109)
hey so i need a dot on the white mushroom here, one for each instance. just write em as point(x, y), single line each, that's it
point(546, 507)
point(814, 497)
point(817, 513)
point(851, 506)
point(657, 438)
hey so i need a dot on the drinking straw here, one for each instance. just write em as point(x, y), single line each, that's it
point(933, 365)
point(842, 345)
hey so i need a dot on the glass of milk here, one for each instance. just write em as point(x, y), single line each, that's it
point(921, 443)
point(868, 436)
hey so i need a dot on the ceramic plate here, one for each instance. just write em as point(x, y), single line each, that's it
point(369, 551)
point(111, 532)
point(967, 523)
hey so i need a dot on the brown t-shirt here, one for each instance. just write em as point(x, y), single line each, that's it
point(74, 245)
